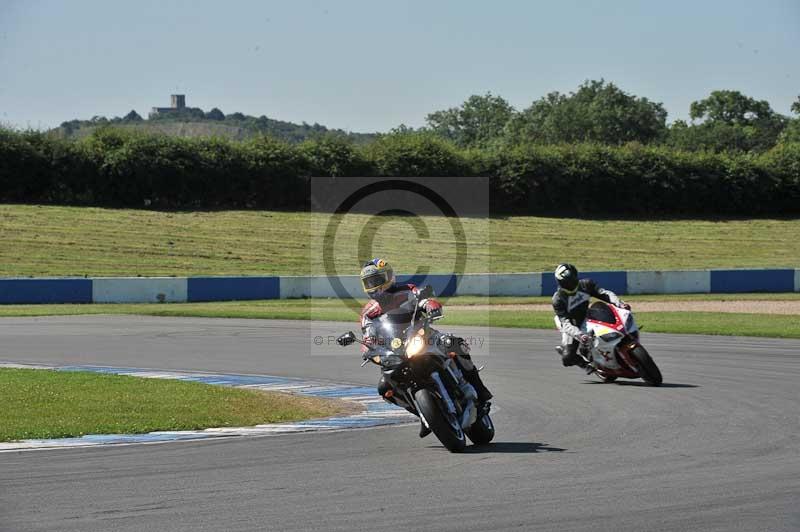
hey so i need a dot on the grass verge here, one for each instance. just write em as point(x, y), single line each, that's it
point(715, 323)
point(77, 241)
point(58, 404)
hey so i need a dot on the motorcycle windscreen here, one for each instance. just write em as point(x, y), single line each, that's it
point(599, 311)
point(388, 329)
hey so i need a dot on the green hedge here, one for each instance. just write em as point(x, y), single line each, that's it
point(124, 169)
point(594, 179)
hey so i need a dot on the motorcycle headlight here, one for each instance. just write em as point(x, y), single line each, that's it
point(415, 346)
point(611, 336)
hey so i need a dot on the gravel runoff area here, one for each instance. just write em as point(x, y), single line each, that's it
point(749, 307)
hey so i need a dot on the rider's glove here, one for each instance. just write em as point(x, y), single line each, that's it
point(432, 307)
point(624, 305)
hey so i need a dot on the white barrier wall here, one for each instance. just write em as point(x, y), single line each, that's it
point(506, 284)
point(139, 290)
point(473, 284)
point(669, 282)
point(797, 280)
point(319, 286)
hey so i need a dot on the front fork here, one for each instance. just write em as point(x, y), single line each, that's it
point(445, 395)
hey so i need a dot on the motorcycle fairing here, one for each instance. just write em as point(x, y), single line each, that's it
point(603, 319)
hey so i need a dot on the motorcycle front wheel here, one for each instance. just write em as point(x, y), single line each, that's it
point(482, 431)
point(448, 431)
point(647, 368)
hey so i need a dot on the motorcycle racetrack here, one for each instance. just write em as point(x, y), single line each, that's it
point(717, 447)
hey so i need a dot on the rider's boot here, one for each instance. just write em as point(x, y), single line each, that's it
point(473, 377)
point(570, 356)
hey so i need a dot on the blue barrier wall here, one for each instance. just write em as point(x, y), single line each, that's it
point(741, 281)
point(45, 290)
point(232, 288)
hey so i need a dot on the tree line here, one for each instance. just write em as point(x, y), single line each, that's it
point(597, 112)
point(601, 112)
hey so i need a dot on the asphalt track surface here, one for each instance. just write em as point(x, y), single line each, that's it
point(716, 448)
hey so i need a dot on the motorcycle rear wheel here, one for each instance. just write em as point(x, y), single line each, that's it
point(647, 368)
point(431, 408)
point(482, 431)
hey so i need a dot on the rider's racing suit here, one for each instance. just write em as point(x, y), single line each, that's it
point(571, 312)
point(398, 301)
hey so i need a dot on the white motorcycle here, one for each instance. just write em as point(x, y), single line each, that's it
point(614, 350)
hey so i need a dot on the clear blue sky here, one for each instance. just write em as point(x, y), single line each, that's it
point(371, 65)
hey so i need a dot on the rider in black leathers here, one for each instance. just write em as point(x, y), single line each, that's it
point(571, 303)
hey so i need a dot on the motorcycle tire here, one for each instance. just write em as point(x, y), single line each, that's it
point(431, 408)
point(647, 368)
point(482, 431)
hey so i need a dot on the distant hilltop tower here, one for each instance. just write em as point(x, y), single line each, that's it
point(178, 102)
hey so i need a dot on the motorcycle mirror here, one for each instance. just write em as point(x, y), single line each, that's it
point(346, 339)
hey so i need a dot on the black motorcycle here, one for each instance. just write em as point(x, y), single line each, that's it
point(419, 364)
